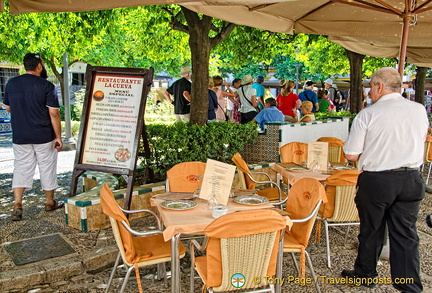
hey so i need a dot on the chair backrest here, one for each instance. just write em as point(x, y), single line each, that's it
point(428, 149)
point(182, 177)
point(294, 152)
point(246, 242)
point(335, 151)
point(122, 236)
point(243, 167)
point(303, 197)
point(340, 191)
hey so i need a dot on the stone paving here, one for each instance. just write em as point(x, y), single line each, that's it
point(88, 269)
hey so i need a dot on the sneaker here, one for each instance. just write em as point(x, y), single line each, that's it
point(354, 280)
point(17, 214)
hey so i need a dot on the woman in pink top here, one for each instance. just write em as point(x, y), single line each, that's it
point(287, 101)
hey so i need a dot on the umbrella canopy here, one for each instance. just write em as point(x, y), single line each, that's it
point(418, 52)
point(24, 6)
point(404, 20)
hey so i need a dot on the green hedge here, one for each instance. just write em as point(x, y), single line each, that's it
point(181, 142)
point(324, 116)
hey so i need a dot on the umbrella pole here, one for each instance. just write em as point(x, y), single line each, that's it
point(404, 43)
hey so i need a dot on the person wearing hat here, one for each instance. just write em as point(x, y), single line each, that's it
point(247, 95)
point(334, 94)
point(259, 91)
point(181, 90)
point(309, 95)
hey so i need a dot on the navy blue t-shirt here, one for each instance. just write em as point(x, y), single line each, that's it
point(29, 97)
point(181, 105)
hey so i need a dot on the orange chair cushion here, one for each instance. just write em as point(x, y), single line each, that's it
point(243, 167)
point(302, 199)
point(153, 247)
point(182, 177)
point(271, 193)
point(294, 152)
point(137, 249)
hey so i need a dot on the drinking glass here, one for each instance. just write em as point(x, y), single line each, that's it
point(197, 191)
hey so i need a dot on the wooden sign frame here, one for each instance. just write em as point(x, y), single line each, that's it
point(112, 123)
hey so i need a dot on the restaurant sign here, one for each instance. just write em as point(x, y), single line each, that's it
point(113, 120)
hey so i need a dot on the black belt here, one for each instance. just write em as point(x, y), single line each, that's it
point(402, 169)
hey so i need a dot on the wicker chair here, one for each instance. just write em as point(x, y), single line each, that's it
point(428, 156)
point(335, 150)
point(274, 193)
point(147, 249)
point(182, 177)
point(294, 152)
point(305, 198)
point(226, 256)
point(340, 210)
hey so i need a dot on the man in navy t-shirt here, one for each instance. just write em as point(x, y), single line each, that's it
point(36, 132)
point(181, 90)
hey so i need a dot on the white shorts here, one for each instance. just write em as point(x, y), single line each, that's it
point(182, 117)
point(27, 156)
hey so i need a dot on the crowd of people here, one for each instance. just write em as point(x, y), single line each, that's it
point(244, 99)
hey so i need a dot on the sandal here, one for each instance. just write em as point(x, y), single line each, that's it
point(52, 207)
point(17, 214)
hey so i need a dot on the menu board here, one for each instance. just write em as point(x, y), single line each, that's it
point(112, 121)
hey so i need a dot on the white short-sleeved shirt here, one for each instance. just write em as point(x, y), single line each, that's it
point(249, 91)
point(390, 134)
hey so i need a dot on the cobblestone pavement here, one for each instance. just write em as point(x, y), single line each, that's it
point(88, 269)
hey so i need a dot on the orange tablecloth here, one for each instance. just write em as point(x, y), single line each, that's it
point(194, 220)
point(294, 176)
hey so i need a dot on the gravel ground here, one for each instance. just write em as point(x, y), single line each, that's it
point(37, 222)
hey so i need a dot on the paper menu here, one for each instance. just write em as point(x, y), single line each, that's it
point(218, 178)
point(317, 155)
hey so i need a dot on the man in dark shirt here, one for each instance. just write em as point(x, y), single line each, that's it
point(181, 90)
point(36, 132)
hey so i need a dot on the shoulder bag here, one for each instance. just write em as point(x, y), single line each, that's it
point(256, 108)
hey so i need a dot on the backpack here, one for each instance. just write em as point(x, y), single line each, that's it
point(338, 98)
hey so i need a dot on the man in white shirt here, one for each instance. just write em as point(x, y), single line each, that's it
point(387, 139)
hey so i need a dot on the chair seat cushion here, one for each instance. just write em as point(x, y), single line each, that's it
point(201, 267)
point(271, 193)
point(153, 247)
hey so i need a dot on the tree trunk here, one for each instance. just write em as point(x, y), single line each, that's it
point(58, 75)
point(199, 43)
point(356, 87)
point(419, 84)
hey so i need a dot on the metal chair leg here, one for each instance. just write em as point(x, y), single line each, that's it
point(346, 234)
point(295, 262)
point(192, 279)
point(429, 171)
point(326, 228)
point(116, 263)
point(317, 287)
point(126, 279)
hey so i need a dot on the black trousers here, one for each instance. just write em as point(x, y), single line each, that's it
point(391, 198)
point(247, 117)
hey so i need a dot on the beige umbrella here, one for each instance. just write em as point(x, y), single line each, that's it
point(418, 52)
point(24, 6)
point(404, 20)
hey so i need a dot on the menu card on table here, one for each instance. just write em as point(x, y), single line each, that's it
point(218, 178)
point(317, 155)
